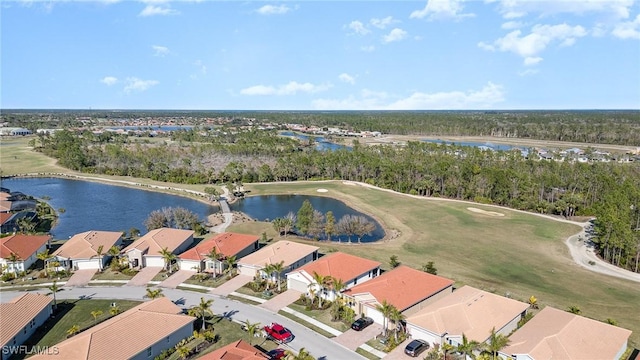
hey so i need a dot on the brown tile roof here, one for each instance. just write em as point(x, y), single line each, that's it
point(158, 239)
point(468, 311)
point(5, 205)
point(340, 265)
point(125, 335)
point(4, 195)
point(85, 245)
point(228, 244)
point(22, 245)
point(287, 251)
point(239, 350)
point(4, 217)
point(17, 313)
point(402, 287)
point(557, 334)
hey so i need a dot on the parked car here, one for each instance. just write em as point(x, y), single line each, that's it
point(277, 354)
point(361, 323)
point(278, 333)
point(415, 347)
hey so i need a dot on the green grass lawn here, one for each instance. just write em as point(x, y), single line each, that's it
point(74, 312)
point(324, 316)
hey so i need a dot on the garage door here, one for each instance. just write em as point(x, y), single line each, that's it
point(295, 284)
point(417, 333)
point(375, 315)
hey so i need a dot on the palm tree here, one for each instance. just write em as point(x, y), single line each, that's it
point(153, 293)
point(278, 268)
point(231, 265)
point(168, 258)
point(54, 289)
point(214, 256)
point(337, 285)
point(183, 351)
point(385, 308)
point(203, 309)
point(114, 310)
point(96, 314)
point(496, 343)
point(268, 270)
point(446, 349)
point(574, 309)
point(73, 330)
point(396, 316)
point(252, 329)
point(533, 302)
point(45, 257)
point(114, 251)
point(13, 259)
point(321, 280)
point(302, 354)
point(99, 254)
point(467, 347)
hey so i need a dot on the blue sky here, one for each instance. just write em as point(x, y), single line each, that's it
point(320, 55)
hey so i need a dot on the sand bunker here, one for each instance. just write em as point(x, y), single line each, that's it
point(322, 190)
point(485, 212)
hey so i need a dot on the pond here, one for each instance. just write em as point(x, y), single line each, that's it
point(269, 207)
point(322, 144)
point(95, 206)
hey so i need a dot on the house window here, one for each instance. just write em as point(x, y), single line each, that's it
point(355, 281)
point(168, 338)
point(25, 329)
point(149, 351)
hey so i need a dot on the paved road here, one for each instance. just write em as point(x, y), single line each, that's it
point(319, 346)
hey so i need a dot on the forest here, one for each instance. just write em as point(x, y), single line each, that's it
point(610, 192)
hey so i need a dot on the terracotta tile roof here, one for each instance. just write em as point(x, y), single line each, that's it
point(158, 239)
point(340, 265)
point(402, 287)
point(287, 251)
point(5, 205)
point(17, 313)
point(4, 217)
point(239, 350)
point(468, 310)
point(228, 244)
point(85, 245)
point(147, 324)
point(557, 334)
point(22, 245)
point(4, 195)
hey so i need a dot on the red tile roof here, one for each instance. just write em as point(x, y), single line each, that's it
point(340, 265)
point(22, 245)
point(402, 287)
point(228, 244)
point(4, 217)
point(239, 350)
point(18, 313)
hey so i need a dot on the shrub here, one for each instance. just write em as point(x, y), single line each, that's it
point(8, 276)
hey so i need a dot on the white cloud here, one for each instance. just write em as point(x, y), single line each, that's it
point(396, 34)
point(160, 50)
point(528, 72)
point(486, 97)
point(518, 8)
point(291, 88)
point(273, 9)
point(541, 36)
point(133, 84)
point(510, 25)
point(358, 28)
point(153, 10)
point(382, 23)
point(441, 10)
point(109, 80)
point(344, 77)
point(627, 29)
point(532, 60)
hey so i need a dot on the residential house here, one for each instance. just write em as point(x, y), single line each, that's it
point(81, 251)
point(291, 254)
point(469, 311)
point(239, 350)
point(557, 334)
point(226, 245)
point(20, 318)
point(12, 223)
point(142, 332)
point(409, 290)
point(350, 269)
point(146, 251)
point(24, 247)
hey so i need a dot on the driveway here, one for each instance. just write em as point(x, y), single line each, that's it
point(177, 278)
point(231, 285)
point(81, 277)
point(282, 300)
point(352, 339)
point(144, 276)
point(398, 352)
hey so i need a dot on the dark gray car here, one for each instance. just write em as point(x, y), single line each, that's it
point(415, 347)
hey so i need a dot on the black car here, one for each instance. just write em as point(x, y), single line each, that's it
point(415, 347)
point(361, 323)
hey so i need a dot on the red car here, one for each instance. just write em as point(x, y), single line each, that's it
point(278, 333)
point(277, 354)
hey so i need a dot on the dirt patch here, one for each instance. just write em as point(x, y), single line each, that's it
point(349, 183)
point(484, 212)
point(322, 190)
point(238, 218)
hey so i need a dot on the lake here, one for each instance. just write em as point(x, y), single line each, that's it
point(321, 143)
point(269, 207)
point(97, 206)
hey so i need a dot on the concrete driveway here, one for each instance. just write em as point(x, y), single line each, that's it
point(398, 352)
point(282, 300)
point(177, 278)
point(231, 285)
point(144, 276)
point(81, 277)
point(352, 339)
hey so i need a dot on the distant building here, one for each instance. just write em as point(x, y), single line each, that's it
point(12, 131)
